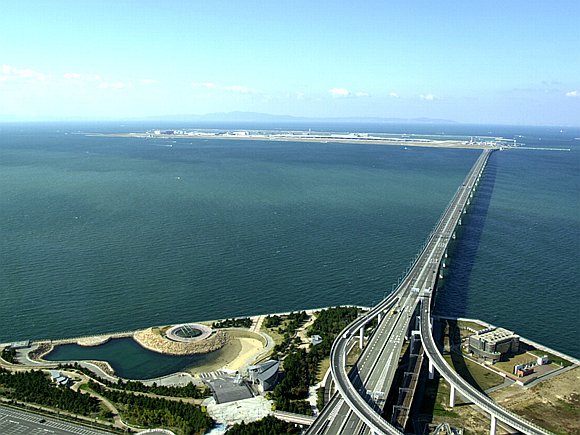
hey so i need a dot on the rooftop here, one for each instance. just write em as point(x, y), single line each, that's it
point(497, 334)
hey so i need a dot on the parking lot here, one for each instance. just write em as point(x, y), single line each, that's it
point(16, 422)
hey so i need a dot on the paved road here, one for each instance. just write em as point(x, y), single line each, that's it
point(16, 422)
point(365, 376)
point(464, 388)
point(357, 408)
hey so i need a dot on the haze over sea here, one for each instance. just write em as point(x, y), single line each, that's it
point(105, 234)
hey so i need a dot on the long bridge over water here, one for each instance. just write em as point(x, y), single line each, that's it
point(357, 406)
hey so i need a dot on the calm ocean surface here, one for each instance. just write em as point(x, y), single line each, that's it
point(107, 234)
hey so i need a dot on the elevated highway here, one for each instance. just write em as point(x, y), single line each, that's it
point(357, 407)
point(457, 383)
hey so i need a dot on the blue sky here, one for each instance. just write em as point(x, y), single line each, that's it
point(510, 62)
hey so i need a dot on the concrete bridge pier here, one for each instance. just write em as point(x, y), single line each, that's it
point(379, 317)
point(493, 426)
point(452, 396)
point(431, 370)
point(361, 337)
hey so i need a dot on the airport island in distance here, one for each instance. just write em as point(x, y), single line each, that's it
point(439, 141)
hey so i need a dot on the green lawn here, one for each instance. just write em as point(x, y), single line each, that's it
point(553, 358)
point(520, 358)
point(322, 369)
point(476, 375)
point(273, 332)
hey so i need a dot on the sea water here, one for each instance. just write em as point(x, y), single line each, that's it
point(109, 234)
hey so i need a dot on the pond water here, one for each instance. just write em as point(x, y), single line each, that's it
point(129, 359)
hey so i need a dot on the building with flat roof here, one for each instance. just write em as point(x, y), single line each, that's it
point(492, 343)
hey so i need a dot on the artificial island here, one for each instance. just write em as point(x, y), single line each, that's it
point(438, 141)
point(393, 368)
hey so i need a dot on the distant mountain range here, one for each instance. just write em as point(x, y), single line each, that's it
point(264, 117)
point(238, 117)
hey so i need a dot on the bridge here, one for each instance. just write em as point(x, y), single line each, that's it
point(361, 391)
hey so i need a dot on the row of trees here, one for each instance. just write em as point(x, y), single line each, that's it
point(9, 355)
point(245, 322)
point(289, 343)
point(290, 393)
point(36, 387)
point(301, 367)
point(330, 322)
point(189, 390)
point(267, 426)
point(181, 417)
point(328, 325)
point(272, 321)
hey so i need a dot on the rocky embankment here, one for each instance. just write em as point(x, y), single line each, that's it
point(97, 340)
point(153, 340)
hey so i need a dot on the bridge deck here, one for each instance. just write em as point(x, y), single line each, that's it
point(354, 410)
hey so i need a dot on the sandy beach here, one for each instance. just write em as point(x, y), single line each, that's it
point(237, 353)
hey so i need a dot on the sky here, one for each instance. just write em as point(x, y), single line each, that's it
point(476, 61)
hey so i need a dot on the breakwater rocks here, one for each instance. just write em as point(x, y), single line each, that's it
point(154, 340)
point(97, 340)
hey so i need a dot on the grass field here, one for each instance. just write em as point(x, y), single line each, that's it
point(553, 404)
point(553, 358)
point(353, 355)
point(520, 358)
point(476, 375)
point(322, 369)
point(273, 332)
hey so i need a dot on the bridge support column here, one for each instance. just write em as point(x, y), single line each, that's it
point(361, 337)
point(379, 317)
point(452, 396)
point(431, 370)
point(493, 426)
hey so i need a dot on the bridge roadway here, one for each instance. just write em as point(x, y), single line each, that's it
point(464, 388)
point(355, 409)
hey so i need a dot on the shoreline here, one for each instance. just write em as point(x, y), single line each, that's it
point(248, 352)
point(539, 346)
point(93, 338)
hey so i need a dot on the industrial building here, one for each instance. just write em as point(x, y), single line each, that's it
point(492, 343)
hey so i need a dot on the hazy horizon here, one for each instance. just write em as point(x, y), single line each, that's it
point(229, 118)
point(490, 63)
